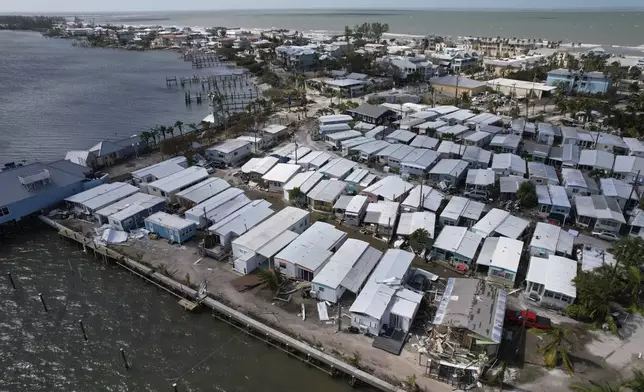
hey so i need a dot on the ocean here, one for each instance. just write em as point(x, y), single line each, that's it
point(57, 97)
point(46, 352)
point(601, 27)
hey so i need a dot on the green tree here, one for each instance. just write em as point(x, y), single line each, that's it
point(271, 278)
point(556, 349)
point(636, 383)
point(377, 29)
point(295, 194)
point(348, 33)
point(527, 195)
point(179, 125)
point(595, 387)
point(418, 240)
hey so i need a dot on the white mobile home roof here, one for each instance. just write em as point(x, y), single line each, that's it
point(421, 158)
point(284, 151)
point(230, 145)
point(335, 118)
point(227, 208)
point(458, 240)
point(103, 195)
point(343, 202)
point(180, 179)
point(501, 252)
point(389, 188)
point(617, 188)
point(431, 198)
point(356, 176)
point(383, 213)
point(481, 177)
point(349, 266)
point(161, 169)
point(555, 273)
point(455, 130)
point(213, 203)
point(508, 161)
point(431, 125)
point(204, 190)
point(282, 172)
point(274, 129)
point(344, 135)
point(375, 297)
point(423, 141)
point(298, 180)
point(170, 221)
point(401, 135)
point(452, 167)
point(445, 109)
point(272, 227)
point(512, 227)
point(275, 245)
point(462, 207)
point(541, 170)
point(259, 165)
point(356, 204)
point(552, 238)
point(315, 158)
point(332, 128)
point(400, 153)
point(135, 208)
point(301, 152)
point(327, 190)
point(137, 199)
point(338, 168)
point(596, 158)
point(490, 222)
point(350, 144)
point(243, 219)
point(412, 221)
point(312, 248)
point(598, 206)
point(460, 115)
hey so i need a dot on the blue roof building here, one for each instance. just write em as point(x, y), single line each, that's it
point(579, 81)
point(31, 188)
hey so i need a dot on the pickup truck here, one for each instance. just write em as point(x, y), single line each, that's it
point(527, 318)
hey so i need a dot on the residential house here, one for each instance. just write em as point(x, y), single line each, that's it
point(171, 227)
point(456, 132)
point(279, 175)
point(476, 157)
point(430, 127)
point(484, 119)
point(296, 57)
point(423, 198)
point(325, 194)
point(609, 142)
point(230, 152)
point(217, 207)
point(508, 165)
point(338, 168)
point(456, 245)
point(624, 194)
point(577, 136)
point(335, 139)
point(314, 160)
point(84, 158)
point(368, 152)
point(550, 281)
point(509, 186)
point(107, 153)
point(419, 67)
point(635, 147)
point(307, 254)
point(537, 152)
point(171, 185)
point(500, 223)
point(499, 259)
point(158, 171)
point(523, 128)
point(129, 213)
point(455, 86)
point(541, 174)
point(601, 161)
point(480, 180)
point(201, 192)
point(478, 138)
point(506, 143)
point(578, 183)
point(355, 210)
point(629, 168)
point(579, 81)
point(400, 136)
point(371, 114)
point(239, 222)
point(461, 211)
point(598, 213)
point(382, 217)
point(423, 141)
point(390, 188)
point(553, 202)
point(549, 239)
point(260, 244)
point(449, 149)
point(449, 171)
point(347, 269)
point(419, 162)
point(89, 201)
point(305, 182)
point(548, 133)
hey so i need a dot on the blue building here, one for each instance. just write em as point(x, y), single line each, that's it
point(28, 189)
point(579, 81)
point(296, 57)
point(171, 227)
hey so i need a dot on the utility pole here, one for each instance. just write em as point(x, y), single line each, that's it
point(633, 190)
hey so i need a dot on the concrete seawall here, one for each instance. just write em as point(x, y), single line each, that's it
point(275, 338)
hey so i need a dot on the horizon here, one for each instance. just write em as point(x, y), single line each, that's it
point(546, 6)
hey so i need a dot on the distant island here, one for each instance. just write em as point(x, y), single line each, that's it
point(33, 23)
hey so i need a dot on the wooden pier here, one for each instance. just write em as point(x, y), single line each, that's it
point(292, 347)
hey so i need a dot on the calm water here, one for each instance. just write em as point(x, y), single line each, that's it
point(46, 352)
point(604, 27)
point(57, 97)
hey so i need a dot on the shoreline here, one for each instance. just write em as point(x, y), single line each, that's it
point(314, 351)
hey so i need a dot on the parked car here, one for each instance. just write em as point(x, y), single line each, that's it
point(475, 194)
point(606, 235)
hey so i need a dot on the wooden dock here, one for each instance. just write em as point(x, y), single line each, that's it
point(293, 347)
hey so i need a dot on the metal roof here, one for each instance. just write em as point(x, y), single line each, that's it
point(103, 195)
point(477, 154)
point(541, 170)
point(230, 145)
point(510, 184)
point(338, 168)
point(512, 227)
point(182, 179)
point(597, 159)
point(431, 125)
point(204, 190)
point(141, 200)
point(634, 145)
point(401, 135)
point(612, 187)
point(508, 161)
point(369, 110)
point(284, 151)
point(169, 221)
point(372, 147)
point(493, 219)
point(349, 266)
point(555, 273)
point(343, 202)
point(356, 176)
point(628, 164)
point(481, 177)
point(451, 148)
point(212, 203)
point(421, 158)
point(273, 129)
point(423, 141)
point(452, 167)
point(334, 118)
point(356, 203)
point(432, 198)
point(282, 172)
point(350, 144)
point(271, 228)
point(300, 153)
point(552, 238)
point(412, 221)
point(459, 206)
point(243, 219)
point(327, 191)
point(453, 130)
point(383, 213)
point(311, 249)
point(161, 169)
point(259, 165)
point(537, 149)
point(344, 135)
point(389, 188)
point(453, 80)
point(598, 206)
point(458, 240)
point(277, 243)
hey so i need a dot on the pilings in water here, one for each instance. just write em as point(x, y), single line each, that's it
point(197, 97)
point(171, 81)
point(291, 346)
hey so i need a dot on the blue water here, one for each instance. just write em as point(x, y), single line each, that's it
point(56, 97)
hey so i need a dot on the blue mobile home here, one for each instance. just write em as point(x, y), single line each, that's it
point(171, 227)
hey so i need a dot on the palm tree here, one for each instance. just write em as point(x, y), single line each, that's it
point(179, 125)
point(595, 387)
point(193, 126)
point(636, 383)
point(162, 130)
point(271, 278)
point(556, 349)
point(145, 137)
point(154, 133)
point(170, 130)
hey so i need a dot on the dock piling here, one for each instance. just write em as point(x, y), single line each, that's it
point(44, 305)
point(174, 387)
point(82, 327)
point(127, 365)
point(13, 284)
